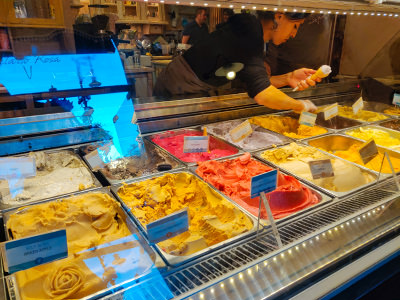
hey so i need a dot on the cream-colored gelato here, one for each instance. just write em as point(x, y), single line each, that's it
point(295, 158)
point(381, 137)
point(57, 173)
point(362, 115)
point(212, 219)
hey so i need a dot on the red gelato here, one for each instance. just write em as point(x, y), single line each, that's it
point(173, 143)
point(233, 178)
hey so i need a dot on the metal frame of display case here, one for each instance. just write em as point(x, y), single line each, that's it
point(317, 244)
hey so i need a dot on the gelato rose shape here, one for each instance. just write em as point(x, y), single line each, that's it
point(64, 282)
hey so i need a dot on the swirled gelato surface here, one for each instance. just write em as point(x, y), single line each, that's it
point(212, 219)
point(258, 139)
point(381, 137)
point(362, 115)
point(57, 173)
point(173, 143)
point(233, 178)
point(100, 247)
point(287, 126)
point(295, 158)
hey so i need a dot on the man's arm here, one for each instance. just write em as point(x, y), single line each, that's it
point(273, 98)
point(185, 39)
point(294, 79)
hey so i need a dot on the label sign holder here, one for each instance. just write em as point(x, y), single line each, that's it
point(241, 131)
point(321, 168)
point(358, 105)
point(195, 144)
point(17, 167)
point(331, 111)
point(307, 118)
point(168, 226)
point(368, 151)
point(28, 252)
point(261, 184)
point(396, 99)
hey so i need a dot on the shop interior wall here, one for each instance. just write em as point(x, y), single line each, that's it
point(366, 46)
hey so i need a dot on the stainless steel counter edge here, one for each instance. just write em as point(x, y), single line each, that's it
point(277, 272)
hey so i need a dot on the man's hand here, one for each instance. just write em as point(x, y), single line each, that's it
point(299, 78)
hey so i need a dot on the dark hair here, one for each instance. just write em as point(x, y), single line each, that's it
point(228, 11)
point(270, 16)
point(199, 10)
point(296, 16)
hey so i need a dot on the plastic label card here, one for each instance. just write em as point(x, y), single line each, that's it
point(368, 151)
point(307, 118)
point(321, 168)
point(331, 111)
point(168, 227)
point(358, 105)
point(195, 144)
point(265, 182)
point(241, 131)
point(17, 167)
point(396, 99)
point(25, 253)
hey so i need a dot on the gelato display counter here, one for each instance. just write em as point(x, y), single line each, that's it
point(333, 230)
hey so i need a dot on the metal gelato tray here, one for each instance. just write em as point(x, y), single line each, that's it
point(323, 199)
point(221, 144)
point(393, 133)
point(175, 260)
point(296, 116)
point(341, 142)
point(11, 281)
point(284, 139)
point(123, 164)
point(6, 207)
point(376, 107)
point(318, 187)
point(392, 122)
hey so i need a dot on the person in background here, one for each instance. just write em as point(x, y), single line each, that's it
point(226, 14)
point(241, 40)
point(196, 30)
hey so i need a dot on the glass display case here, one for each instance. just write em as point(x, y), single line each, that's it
point(152, 197)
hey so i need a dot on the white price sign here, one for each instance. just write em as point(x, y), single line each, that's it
point(396, 99)
point(331, 111)
point(194, 144)
point(358, 105)
point(321, 168)
point(241, 131)
point(307, 118)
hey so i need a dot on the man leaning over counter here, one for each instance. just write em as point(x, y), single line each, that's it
point(240, 40)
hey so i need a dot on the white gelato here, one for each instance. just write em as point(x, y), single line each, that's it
point(57, 173)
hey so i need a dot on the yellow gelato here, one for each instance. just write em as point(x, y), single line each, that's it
point(362, 115)
point(295, 158)
point(287, 126)
point(381, 137)
point(353, 155)
point(90, 219)
point(393, 111)
point(212, 219)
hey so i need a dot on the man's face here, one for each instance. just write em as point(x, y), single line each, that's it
point(202, 17)
point(286, 29)
point(226, 17)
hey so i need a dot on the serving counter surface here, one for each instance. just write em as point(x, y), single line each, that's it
point(317, 241)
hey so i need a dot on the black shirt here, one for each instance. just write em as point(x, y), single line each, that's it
point(196, 32)
point(239, 40)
